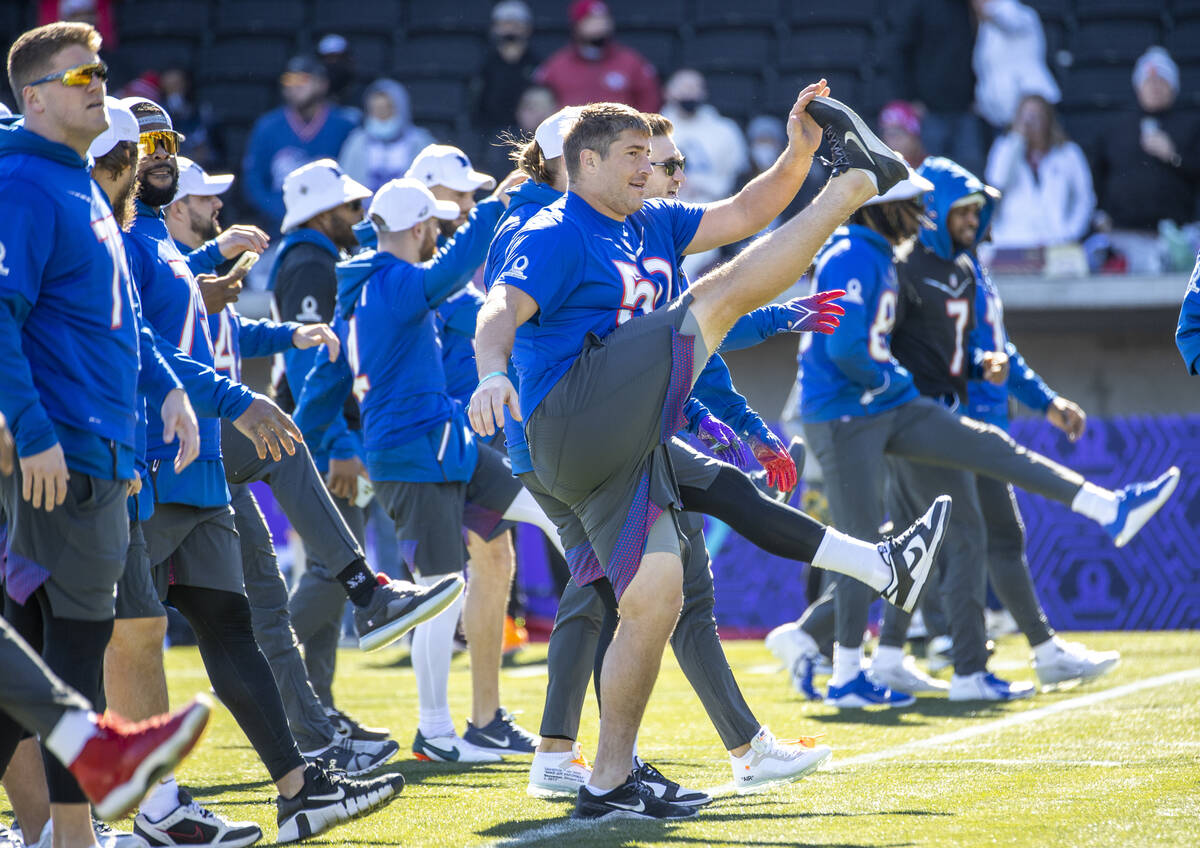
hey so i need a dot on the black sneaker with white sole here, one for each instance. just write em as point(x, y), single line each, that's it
point(667, 789)
point(397, 606)
point(910, 555)
point(631, 800)
point(854, 145)
point(348, 729)
point(329, 799)
point(192, 824)
point(354, 761)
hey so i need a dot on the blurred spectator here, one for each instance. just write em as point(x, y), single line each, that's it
point(900, 126)
point(713, 144)
point(306, 128)
point(387, 142)
point(334, 53)
point(1147, 162)
point(1009, 61)
point(593, 67)
point(506, 70)
point(190, 118)
point(145, 84)
point(931, 68)
point(98, 13)
point(535, 105)
point(1046, 187)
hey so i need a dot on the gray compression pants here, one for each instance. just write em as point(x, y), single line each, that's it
point(268, 596)
point(32, 694)
point(851, 454)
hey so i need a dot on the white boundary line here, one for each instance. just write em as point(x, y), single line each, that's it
point(562, 828)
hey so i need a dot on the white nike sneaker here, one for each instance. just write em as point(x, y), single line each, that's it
point(558, 775)
point(772, 760)
point(939, 654)
point(906, 677)
point(788, 642)
point(450, 749)
point(1073, 662)
point(985, 686)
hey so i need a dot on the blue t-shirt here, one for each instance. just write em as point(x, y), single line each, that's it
point(589, 273)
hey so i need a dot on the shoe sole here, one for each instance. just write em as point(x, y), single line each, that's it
point(763, 785)
point(1067, 682)
point(630, 814)
point(537, 790)
point(918, 689)
point(434, 758)
point(121, 799)
point(921, 573)
point(1026, 693)
point(383, 636)
point(777, 641)
point(313, 822)
point(857, 703)
point(873, 144)
point(1138, 517)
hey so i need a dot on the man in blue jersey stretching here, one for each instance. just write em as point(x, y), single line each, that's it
point(69, 347)
point(583, 271)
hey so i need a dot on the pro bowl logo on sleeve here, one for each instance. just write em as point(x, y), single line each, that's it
point(517, 269)
point(3, 253)
point(854, 292)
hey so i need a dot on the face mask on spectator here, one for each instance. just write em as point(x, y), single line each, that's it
point(690, 105)
point(593, 48)
point(383, 129)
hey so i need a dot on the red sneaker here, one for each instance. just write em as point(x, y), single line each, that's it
point(117, 767)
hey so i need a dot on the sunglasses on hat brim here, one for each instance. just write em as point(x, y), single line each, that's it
point(148, 142)
point(77, 76)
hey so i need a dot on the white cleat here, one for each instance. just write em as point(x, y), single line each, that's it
point(788, 642)
point(906, 677)
point(558, 775)
point(772, 760)
point(985, 686)
point(1072, 663)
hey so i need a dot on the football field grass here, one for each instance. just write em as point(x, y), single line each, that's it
point(1115, 762)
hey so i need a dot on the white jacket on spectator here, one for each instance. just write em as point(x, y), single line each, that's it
point(1052, 208)
point(715, 150)
point(1010, 61)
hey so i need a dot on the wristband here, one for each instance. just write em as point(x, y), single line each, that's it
point(487, 377)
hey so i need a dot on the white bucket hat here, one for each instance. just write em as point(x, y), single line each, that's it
point(315, 188)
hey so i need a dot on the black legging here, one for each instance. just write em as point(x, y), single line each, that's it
point(74, 650)
point(239, 672)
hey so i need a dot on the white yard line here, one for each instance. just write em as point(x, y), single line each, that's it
point(560, 828)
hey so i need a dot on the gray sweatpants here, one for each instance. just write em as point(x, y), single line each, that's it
point(268, 596)
point(695, 642)
point(32, 694)
point(851, 453)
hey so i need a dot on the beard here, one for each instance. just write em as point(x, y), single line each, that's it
point(429, 246)
point(205, 227)
point(151, 195)
point(124, 208)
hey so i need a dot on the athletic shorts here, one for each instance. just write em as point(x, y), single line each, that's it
point(137, 595)
point(430, 517)
point(76, 551)
point(581, 559)
point(598, 439)
point(194, 546)
point(692, 468)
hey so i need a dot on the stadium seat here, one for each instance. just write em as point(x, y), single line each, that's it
point(460, 16)
point(1051, 10)
point(253, 17)
point(631, 15)
point(661, 48)
point(727, 49)
point(442, 54)
point(1189, 85)
point(1183, 41)
point(782, 91)
point(1146, 10)
point(374, 55)
point(261, 58)
point(437, 99)
point(157, 53)
point(827, 47)
point(1097, 87)
point(238, 102)
point(744, 13)
point(1185, 10)
point(175, 18)
point(736, 95)
point(378, 17)
point(1084, 126)
point(548, 14)
point(1114, 41)
point(863, 13)
point(233, 139)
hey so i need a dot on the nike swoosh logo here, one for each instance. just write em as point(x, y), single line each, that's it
point(914, 550)
point(851, 135)
point(639, 807)
point(451, 755)
point(337, 796)
point(497, 743)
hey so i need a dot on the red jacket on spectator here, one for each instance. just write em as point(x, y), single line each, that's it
point(622, 75)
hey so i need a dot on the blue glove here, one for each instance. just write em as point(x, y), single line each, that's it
point(719, 438)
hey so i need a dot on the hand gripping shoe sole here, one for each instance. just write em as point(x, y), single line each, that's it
point(855, 145)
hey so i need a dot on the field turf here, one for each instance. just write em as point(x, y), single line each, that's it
point(1115, 762)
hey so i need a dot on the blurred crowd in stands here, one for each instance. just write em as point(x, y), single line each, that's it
point(1110, 184)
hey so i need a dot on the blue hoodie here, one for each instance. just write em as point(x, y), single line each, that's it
point(456, 328)
point(852, 372)
point(1187, 334)
point(173, 305)
point(68, 333)
point(412, 430)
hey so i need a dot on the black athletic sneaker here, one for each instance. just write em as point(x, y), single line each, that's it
point(349, 729)
point(398, 606)
point(328, 799)
point(192, 824)
point(631, 800)
point(666, 789)
point(910, 555)
point(854, 145)
point(339, 756)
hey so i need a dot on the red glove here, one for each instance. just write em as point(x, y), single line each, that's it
point(772, 455)
point(814, 313)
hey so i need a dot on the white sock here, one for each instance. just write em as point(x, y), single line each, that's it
point(1095, 503)
point(74, 730)
point(525, 509)
point(852, 557)
point(432, 648)
point(1046, 651)
point(847, 663)
point(635, 756)
point(888, 655)
point(162, 800)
